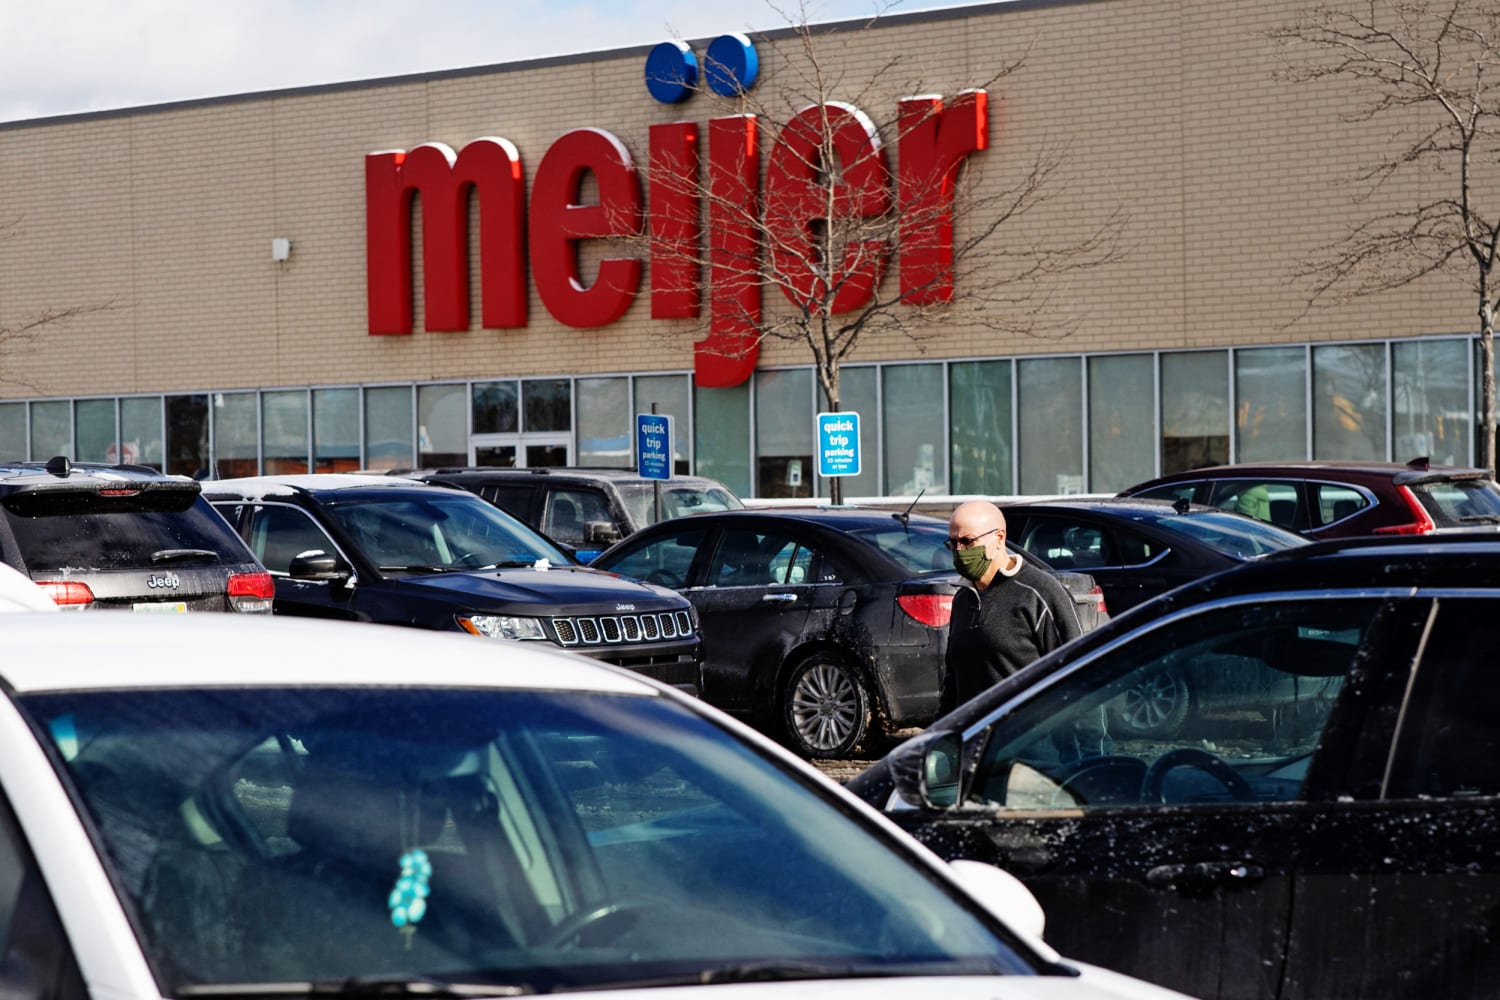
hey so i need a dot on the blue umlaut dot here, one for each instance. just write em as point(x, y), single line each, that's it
point(671, 71)
point(732, 65)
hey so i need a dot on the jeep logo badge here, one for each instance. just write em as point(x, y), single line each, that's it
point(163, 581)
point(624, 607)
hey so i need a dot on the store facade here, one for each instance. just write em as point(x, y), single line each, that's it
point(302, 280)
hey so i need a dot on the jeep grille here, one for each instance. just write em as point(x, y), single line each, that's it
point(612, 630)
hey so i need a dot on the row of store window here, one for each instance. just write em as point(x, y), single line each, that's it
point(1036, 425)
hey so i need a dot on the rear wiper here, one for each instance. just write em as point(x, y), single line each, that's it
point(182, 555)
point(357, 987)
point(1480, 518)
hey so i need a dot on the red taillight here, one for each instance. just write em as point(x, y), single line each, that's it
point(67, 593)
point(1097, 596)
point(251, 591)
point(932, 610)
point(1422, 524)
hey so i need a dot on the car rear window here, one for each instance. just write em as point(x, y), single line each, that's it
point(1233, 534)
point(675, 500)
point(1459, 503)
point(123, 533)
point(919, 549)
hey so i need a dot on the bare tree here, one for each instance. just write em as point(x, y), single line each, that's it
point(1428, 73)
point(832, 214)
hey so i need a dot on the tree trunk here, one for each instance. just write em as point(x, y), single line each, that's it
point(1487, 386)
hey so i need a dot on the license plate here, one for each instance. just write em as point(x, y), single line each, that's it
point(168, 607)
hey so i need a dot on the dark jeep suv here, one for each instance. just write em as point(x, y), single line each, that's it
point(115, 536)
point(585, 509)
point(401, 552)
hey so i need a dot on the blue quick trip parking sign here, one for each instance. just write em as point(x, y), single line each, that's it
point(838, 444)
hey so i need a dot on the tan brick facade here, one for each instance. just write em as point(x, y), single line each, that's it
point(1167, 109)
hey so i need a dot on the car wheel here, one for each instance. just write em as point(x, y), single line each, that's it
point(1155, 706)
point(826, 709)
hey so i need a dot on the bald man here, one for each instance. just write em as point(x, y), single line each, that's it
point(1012, 613)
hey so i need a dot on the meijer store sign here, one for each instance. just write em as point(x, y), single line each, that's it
point(544, 232)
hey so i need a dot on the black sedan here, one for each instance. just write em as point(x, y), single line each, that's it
point(1337, 833)
point(1137, 549)
point(814, 619)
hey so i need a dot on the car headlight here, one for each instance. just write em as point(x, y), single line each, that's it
point(502, 626)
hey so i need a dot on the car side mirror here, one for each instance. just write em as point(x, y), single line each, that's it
point(926, 769)
point(315, 564)
point(601, 532)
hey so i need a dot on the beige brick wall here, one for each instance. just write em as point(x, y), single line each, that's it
point(1166, 109)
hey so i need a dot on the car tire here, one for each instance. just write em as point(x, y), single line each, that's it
point(825, 710)
point(1156, 706)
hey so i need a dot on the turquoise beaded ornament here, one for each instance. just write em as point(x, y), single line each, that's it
point(408, 899)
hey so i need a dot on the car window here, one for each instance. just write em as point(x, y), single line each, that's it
point(134, 533)
point(35, 956)
point(755, 559)
point(1465, 502)
point(280, 534)
point(1272, 502)
point(514, 500)
point(1170, 491)
point(560, 840)
point(1225, 705)
point(1232, 534)
point(1066, 543)
point(665, 560)
point(1450, 744)
point(450, 530)
point(1334, 502)
point(676, 500)
point(569, 512)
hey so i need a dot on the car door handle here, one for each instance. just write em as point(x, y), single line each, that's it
point(1203, 874)
point(778, 598)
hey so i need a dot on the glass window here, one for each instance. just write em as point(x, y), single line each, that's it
point(979, 429)
point(1051, 418)
point(283, 434)
point(1134, 727)
point(1334, 501)
point(13, 432)
point(857, 394)
point(1270, 420)
point(784, 433)
point(569, 512)
point(1122, 421)
point(670, 394)
point(442, 425)
point(548, 404)
point(187, 436)
point(605, 425)
point(280, 534)
point(722, 431)
point(236, 434)
point(496, 408)
point(51, 429)
point(916, 456)
point(335, 430)
point(141, 440)
point(755, 559)
point(664, 560)
point(1273, 502)
point(1349, 407)
point(1430, 403)
point(94, 431)
point(1195, 410)
point(388, 428)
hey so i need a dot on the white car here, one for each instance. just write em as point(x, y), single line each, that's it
point(208, 806)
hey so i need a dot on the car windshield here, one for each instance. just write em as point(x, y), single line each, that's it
point(676, 500)
point(1460, 503)
point(524, 840)
point(439, 530)
point(1234, 535)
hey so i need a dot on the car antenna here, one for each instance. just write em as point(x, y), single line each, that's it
point(905, 516)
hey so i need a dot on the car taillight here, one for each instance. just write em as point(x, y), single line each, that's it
point(67, 593)
point(251, 592)
point(1422, 523)
point(1097, 596)
point(932, 610)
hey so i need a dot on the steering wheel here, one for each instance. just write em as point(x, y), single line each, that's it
point(1151, 784)
point(596, 925)
point(1099, 781)
point(664, 578)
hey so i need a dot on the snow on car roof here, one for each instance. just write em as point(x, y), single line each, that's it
point(117, 649)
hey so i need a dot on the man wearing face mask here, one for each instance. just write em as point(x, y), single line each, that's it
point(1012, 613)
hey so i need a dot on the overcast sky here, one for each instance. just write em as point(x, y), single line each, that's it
point(61, 57)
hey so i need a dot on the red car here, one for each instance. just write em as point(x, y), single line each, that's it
point(1342, 499)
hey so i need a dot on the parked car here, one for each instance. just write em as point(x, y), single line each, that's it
point(1342, 499)
point(1331, 833)
point(127, 537)
point(369, 811)
point(400, 552)
point(19, 593)
point(1137, 549)
point(815, 619)
point(587, 509)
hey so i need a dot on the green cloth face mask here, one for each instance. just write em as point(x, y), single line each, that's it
point(971, 563)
